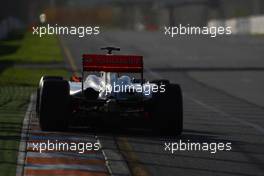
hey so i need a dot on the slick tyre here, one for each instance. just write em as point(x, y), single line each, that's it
point(54, 108)
point(167, 110)
point(43, 78)
point(160, 82)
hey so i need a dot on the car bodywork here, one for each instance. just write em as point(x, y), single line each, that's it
point(108, 91)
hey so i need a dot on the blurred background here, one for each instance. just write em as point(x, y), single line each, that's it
point(244, 17)
point(222, 78)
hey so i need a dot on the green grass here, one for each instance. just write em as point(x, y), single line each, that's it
point(31, 49)
point(13, 103)
point(17, 84)
point(28, 77)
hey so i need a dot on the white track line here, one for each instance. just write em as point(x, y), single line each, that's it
point(214, 109)
point(23, 141)
point(243, 122)
point(115, 162)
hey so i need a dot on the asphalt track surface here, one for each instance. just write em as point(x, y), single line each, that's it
point(222, 82)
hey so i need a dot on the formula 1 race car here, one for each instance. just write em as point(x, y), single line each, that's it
point(108, 94)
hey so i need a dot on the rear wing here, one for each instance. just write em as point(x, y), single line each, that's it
point(113, 63)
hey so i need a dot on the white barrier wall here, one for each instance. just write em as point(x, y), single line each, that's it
point(249, 25)
point(257, 25)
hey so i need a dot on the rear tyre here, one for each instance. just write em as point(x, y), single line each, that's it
point(54, 106)
point(167, 110)
point(43, 78)
point(37, 102)
point(160, 82)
